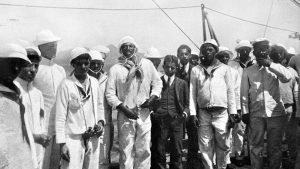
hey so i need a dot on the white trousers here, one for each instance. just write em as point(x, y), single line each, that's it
point(134, 141)
point(82, 157)
point(105, 145)
point(214, 138)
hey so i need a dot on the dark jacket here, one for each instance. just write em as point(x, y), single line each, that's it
point(182, 95)
point(183, 75)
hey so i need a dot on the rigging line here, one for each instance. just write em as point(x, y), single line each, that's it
point(245, 20)
point(144, 9)
point(176, 24)
point(270, 12)
point(100, 9)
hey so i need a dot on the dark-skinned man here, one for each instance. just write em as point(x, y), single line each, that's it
point(47, 80)
point(106, 141)
point(242, 61)
point(17, 149)
point(184, 72)
point(132, 86)
point(262, 106)
point(78, 125)
point(171, 112)
point(33, 101)
point(295, 64)
point(289, 95)
point(224, 55)
point(212, 98)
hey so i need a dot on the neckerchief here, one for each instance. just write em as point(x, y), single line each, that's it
point(134, 66)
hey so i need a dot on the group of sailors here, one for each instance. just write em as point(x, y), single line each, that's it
point(228, 106)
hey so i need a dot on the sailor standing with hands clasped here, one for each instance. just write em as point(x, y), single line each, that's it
point(77, 125)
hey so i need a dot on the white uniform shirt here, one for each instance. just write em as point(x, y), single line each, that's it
point(33, 101)
point(47, 80)
point(73, 114)
point(133, 96)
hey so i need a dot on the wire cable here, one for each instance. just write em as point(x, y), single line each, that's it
point(256, 23)
point(268, 18)
point(99, 9)
point(145, 9)
point(176, 24)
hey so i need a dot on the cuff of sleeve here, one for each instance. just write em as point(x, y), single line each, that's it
point(117, 103)
point(186, 115)
point(192, 113)
point(101, 121)
point(155, 94)
point(60, 138)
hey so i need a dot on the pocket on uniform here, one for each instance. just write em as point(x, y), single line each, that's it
point(74, 104)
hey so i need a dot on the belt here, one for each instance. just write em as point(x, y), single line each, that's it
point(212, 108)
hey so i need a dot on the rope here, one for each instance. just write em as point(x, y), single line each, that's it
point(256, 23)
point(268, 18)
point(176, 25)
point(99, 9)
point(148, 9)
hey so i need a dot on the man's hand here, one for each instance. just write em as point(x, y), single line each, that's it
point(184, 115)
point(233, 118)
point(239, 116)
point(264, 61)
point(246, 118)
point(42, 139)
point(129, 113)
point(98, 129)
point(88, 134)
point(64, 151)
point(194, 120)
point(149, 102)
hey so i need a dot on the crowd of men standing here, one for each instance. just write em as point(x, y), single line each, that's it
point(51, 120)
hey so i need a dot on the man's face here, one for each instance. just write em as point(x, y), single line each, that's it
point(128, 49)
point(194, 60)
point(28, 72)
point(209, 53)
point(183, 55)
point(81, 66)
point(48, 50)
point(244, 53)
point(224, 58)
point(277, 55)
point(261, 51)
point(96, 65)
point(10, 68)
point(170, 68)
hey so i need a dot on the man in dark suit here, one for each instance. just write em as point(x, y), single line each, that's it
point(184, 72)
point(184, 69)
point(172, 110)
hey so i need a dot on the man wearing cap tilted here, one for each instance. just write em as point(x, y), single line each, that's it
point(289, 95)
point(47, 80)
point(212, 98)
point(242, 61)
point(224, 55)
point(262, 106)
point(128, 89)
point(17, 149)
point(106, 141)
point(33, 101)
point(78, 125)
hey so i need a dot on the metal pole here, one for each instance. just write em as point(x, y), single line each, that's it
point(203, 22)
